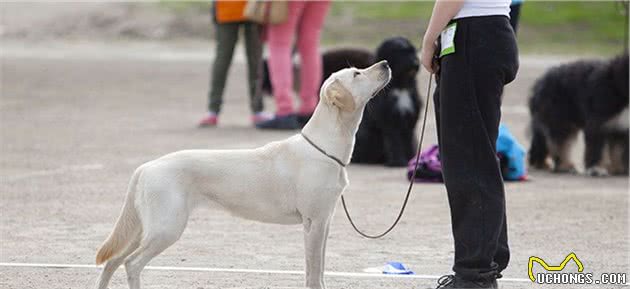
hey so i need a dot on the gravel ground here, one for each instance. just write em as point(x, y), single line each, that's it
point(75, 123)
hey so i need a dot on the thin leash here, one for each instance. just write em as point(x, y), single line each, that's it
point(411, 181)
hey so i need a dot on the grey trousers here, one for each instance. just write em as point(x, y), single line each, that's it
point(226, 37)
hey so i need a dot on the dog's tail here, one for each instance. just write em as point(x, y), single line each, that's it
point(538, 150)
point(125, 226)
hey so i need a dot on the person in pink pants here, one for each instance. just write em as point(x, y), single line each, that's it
point(305, 19)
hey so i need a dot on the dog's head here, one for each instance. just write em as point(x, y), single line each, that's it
point(351, 88)
point(401, 56)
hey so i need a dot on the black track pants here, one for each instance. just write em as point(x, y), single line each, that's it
point(468, 111)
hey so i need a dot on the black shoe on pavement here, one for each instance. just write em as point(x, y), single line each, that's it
point(303, 119)
point(286, 122)
point(455, 282)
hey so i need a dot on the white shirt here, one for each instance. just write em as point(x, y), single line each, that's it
point(484, 8)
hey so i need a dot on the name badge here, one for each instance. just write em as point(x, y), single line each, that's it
point(448, 40)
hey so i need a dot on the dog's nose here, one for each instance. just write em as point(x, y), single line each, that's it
point(384, 64)
point(415, 64)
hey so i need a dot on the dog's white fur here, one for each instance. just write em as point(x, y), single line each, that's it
point(404, 104)
point(284, 182)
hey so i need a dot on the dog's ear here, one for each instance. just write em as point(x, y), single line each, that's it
point(336, 94)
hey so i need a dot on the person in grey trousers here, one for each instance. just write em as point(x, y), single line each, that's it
point(229, 19)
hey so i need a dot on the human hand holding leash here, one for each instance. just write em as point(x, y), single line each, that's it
point(427, 57)
point(443, 12)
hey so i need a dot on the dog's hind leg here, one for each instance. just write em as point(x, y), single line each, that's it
point(315, 234)
point(560, 144)
point(115, 262)
point(624, 146)
point(594, 153)
point(538, 151)
point(625, 155)
point(618, 153)
point(164, 219)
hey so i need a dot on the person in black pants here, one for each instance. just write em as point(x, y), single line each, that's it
point(474, 61)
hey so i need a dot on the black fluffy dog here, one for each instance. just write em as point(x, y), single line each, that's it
point(586, 95)
point(386, 133)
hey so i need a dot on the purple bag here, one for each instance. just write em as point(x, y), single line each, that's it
point(429, 166)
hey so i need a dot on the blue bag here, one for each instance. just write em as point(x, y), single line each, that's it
point(512, 156)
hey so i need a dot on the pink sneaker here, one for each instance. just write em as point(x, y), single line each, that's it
point(212, 119)
point(261, 117)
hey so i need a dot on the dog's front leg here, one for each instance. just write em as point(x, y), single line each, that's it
point(394, 145)
point(315, 234)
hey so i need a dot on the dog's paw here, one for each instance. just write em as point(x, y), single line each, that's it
point(543, 166)
point(565, 169)
point(597, 172)
point(617, 170)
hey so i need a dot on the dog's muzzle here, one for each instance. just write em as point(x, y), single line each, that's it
point(385, 75)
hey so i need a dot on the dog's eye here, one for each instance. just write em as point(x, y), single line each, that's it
point(356, 73)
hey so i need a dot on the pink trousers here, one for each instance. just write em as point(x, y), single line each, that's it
point(305, 20)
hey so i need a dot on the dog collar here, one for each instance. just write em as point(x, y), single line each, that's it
point(323, 151)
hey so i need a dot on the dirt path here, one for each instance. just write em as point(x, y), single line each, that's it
point(74, 126)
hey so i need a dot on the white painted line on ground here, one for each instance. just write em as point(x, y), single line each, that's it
point(236, 270)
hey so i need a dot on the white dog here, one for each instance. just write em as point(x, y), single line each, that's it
point(294, 181)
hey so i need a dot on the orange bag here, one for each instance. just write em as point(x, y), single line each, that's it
point(230, 11)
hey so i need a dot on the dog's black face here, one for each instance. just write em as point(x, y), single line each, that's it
point(402, 58)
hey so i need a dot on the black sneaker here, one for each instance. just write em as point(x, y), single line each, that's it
point(455, 282)
point(286, 122)
point(303, 119)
